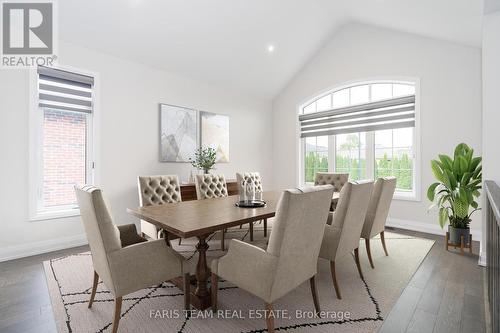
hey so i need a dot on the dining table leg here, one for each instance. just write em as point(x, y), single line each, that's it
point(201, 299)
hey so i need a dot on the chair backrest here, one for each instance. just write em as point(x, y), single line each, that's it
point(350, 214)
point(337, 180)
point(102, 234)
point(378, 209)
point(158, 190)
point(210, 186)
point(297, 235)
point(249, 177)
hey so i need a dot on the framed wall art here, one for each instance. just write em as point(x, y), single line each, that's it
point(215, 133)
point(178, 133)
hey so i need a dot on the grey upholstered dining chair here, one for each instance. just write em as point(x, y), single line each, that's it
point(209, 186)
point(255, 179)
point(291, 256)
point(337, 180)
point(124, 269)
point(377, 213)
point(154, 191)
point(342, 236)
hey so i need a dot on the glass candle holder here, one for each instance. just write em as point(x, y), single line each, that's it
point(258, 195)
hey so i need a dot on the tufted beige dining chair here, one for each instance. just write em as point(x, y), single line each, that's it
point(377, 213)
point(291, 256)
point(342, 236)
point(124, 269)
point(251, 177)
point(209, 186)
point(337, 180)
point(157, 190)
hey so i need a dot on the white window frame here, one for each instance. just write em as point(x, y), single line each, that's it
point(414, 195)
point(36, 116)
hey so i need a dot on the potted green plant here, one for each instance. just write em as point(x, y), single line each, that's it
point(204, 159)
point(457, 190)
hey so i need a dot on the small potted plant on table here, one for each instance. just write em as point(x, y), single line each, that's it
point(456, 193)
point(204, 159)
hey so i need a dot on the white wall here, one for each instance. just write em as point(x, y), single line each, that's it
point(128, 144)
point(491, 96)
point(491, 100)
point(450, 82)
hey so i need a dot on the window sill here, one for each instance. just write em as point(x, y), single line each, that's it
point(405, 196)
point(52, 215)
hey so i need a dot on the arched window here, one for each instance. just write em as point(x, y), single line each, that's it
point(366, 129)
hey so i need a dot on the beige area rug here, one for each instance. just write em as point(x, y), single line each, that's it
point(363, 307)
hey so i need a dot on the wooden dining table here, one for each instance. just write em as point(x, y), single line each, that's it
point(200, 219)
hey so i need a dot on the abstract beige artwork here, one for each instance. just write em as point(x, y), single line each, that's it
point(215, 134)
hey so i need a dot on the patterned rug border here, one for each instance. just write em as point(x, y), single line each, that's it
point(62, 306)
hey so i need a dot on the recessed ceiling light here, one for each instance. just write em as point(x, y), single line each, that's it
point(270, 48)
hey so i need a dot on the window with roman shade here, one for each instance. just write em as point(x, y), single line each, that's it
point(63, 152)
point(64, 90)
point(366, 129)
point(391, 113)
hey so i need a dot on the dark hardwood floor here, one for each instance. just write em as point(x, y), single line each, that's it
point(24, 298)
point(444, 295)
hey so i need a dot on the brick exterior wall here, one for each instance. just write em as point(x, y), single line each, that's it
point(64, 155)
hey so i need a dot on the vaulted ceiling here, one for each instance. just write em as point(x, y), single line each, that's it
point(225, 42)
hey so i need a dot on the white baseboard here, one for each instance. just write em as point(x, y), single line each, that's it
point(428, 228)
point(31, 249)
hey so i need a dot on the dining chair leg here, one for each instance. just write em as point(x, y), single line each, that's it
point(180, 240)
point(382, 238)
point(222, 238)
point(94, 288)
point(314, 292)
point(269, 317)
point(356, 258)
point(265, 227)
point(368, 251)
point(167, 241)
point(214, 282)
point(187, 292)
point(118, 311)
point(334, 279)
point(251, 231)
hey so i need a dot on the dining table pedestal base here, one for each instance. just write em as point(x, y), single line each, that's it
point(200, 303)
point(200, 295)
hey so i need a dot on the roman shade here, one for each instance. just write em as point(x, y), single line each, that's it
point(391, 113)
point(63, 90)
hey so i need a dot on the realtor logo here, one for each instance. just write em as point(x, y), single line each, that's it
point(27, 29)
